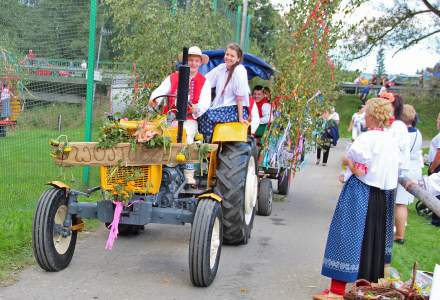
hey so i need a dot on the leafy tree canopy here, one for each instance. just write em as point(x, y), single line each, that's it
point(400, 25)
point(151, 34)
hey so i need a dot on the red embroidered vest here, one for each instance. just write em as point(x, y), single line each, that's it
point(251, 104)
point(260, 106)
point(195, 89)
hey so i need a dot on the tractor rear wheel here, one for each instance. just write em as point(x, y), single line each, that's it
point(284, 182)
point(205, 242)
point(237, 183)
point(265, 197)
point(52, 250)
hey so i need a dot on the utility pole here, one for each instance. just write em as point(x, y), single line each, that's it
point(243, 23)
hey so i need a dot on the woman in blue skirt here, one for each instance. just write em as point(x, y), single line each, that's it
point(360, 238)
point(232, 92)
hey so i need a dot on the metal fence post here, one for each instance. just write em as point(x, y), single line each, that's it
point(247, 39)
point(214, 5)
point(173, 7)
point(90, 79)
point(238, 25)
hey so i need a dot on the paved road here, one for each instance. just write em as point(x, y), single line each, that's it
point(281, 261)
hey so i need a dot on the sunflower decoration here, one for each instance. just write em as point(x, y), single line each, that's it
point(60, 147)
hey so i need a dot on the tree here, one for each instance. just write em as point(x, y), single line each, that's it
point(400, 26)
point(305, 77)
point(380, 62)
point(266, 22)
point(150, 34)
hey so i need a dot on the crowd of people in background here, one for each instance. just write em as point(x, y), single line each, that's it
point(372, 210)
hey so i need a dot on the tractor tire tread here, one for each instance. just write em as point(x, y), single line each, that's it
point(231, 183)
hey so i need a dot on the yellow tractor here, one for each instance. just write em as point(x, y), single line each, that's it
point(221, 209)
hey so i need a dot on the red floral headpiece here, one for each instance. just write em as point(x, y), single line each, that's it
point(387, 96)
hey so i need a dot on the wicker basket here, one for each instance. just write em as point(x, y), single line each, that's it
point(363, 290)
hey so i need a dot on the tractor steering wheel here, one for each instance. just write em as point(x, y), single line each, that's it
point(168, 102)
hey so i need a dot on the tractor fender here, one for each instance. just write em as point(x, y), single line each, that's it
point(211, 196)
point(230, 132)
point(59, 184)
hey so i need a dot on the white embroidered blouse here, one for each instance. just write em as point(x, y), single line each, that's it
point(379, 153)
point(237, 86)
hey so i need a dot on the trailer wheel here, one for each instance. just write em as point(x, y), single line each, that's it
point(284, 182)
point(205, 243)
point(52, 250)
point(237, 183)
point(265, 197)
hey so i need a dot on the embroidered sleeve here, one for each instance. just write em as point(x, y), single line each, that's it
point(204, 100)
point(255, 119)
point(162, 89)
point(240, 82)
point(360, 153)
point(212, 76)
point(362, 167)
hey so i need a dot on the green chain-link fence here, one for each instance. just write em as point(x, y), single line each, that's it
point(43, 63)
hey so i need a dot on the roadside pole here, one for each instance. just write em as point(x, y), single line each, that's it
point(90, 79)
point(243, 24)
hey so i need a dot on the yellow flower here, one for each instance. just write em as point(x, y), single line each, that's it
point(67, 149)
point(198, 137)
point(131, 185)
point(180, 157)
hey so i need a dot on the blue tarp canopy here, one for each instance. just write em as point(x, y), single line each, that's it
point(254, 65)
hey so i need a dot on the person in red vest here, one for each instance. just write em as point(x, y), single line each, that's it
point(263, 107)
point(199, 98)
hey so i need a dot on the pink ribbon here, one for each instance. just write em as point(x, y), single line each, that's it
point(113, 233)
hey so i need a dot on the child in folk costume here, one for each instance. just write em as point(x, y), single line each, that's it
point(264, 109)
point(360, 238)
point(199, 98)
point(414, 172)
point(231, 103)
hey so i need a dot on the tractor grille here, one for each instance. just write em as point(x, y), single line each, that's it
point(146, 178)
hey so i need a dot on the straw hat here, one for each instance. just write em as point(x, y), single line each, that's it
point(194, 50)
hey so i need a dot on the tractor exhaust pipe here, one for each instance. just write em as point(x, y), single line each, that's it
point(182, 94)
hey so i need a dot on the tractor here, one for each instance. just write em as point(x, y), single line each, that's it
point(220, 210)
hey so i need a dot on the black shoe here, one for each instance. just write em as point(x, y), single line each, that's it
point(399, 241)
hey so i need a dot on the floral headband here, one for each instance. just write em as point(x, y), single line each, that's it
point(387, 96)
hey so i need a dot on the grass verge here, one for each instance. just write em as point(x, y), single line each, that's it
point(25, 169)
point(427, 111)
point(422, 242)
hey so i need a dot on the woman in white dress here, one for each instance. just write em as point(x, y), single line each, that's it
point(360, 242)
point(414, 172)
point(231, 101)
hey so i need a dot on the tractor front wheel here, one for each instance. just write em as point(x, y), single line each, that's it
point(237, 183)
point(205, 242)
point(52, 249)
point(265, 197)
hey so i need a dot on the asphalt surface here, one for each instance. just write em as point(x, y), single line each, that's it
point(281, 261)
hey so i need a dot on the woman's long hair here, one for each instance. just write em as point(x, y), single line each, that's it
point(398, 106)
point(239, 52)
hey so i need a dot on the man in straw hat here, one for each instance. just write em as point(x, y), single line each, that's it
point(199, 98)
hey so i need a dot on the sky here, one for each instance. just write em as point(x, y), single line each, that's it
point(405, 62)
